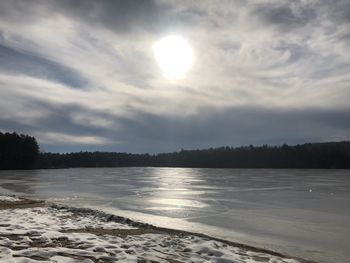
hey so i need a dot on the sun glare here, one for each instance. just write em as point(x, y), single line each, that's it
point(174, 56)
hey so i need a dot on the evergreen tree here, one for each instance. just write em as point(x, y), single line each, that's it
point(17, 151)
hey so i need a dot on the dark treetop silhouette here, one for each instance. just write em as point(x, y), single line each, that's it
point(22, 152)
point(17, 151)
point(310, 155)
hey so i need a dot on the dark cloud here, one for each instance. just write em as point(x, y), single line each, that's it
point(239, 126)
point(286, 15)
point(117, 15)
point(294, 14)
point(22, 11)
point(141, 132)
point(236, 126)
point(123, 17)
point(32, 65)
point(120, 16)
point(338, 10)
point(57, 119)
point(60, 119)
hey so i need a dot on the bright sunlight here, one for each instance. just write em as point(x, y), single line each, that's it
point(174, 56)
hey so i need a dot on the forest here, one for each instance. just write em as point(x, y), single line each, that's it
point(18, 151)
point(309, 155)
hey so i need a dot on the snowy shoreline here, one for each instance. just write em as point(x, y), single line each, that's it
point(38, 231)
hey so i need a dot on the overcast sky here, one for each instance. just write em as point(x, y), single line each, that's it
point(81, 74)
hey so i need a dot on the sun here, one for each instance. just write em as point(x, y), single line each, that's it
point(174, 56)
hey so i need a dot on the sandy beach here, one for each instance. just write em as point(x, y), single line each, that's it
point(38, 231)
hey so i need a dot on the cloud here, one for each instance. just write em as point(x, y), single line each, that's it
point(49, 138)
point(19, 62)
point(235, 126)
point(264, 72)
point(120, 16)
point(287, 15)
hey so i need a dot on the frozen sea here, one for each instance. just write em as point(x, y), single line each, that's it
point(302, 213)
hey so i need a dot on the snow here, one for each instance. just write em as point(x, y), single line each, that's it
point(53, 234)
point(9, 198)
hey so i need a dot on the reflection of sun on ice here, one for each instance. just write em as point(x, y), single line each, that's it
point(174, 56)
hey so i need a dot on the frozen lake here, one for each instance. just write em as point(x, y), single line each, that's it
point(298, 212)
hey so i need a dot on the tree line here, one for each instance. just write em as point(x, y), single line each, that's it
point(309, 155)
point(18, 151)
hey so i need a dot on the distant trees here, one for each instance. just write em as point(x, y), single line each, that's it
point(309, 155)
point(17, 151)
point(92, 159)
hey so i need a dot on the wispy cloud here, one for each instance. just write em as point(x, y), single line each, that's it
point(54, 138)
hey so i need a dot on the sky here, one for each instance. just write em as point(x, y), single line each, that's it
point(81, 74)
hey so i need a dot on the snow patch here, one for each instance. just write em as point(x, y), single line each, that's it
point(9, 198)
point(46, 234)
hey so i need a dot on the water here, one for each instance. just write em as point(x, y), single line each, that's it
point(298, 212)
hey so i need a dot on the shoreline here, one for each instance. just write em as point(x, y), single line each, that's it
point(210, 248)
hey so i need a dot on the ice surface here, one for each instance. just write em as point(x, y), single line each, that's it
point(268, 208)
